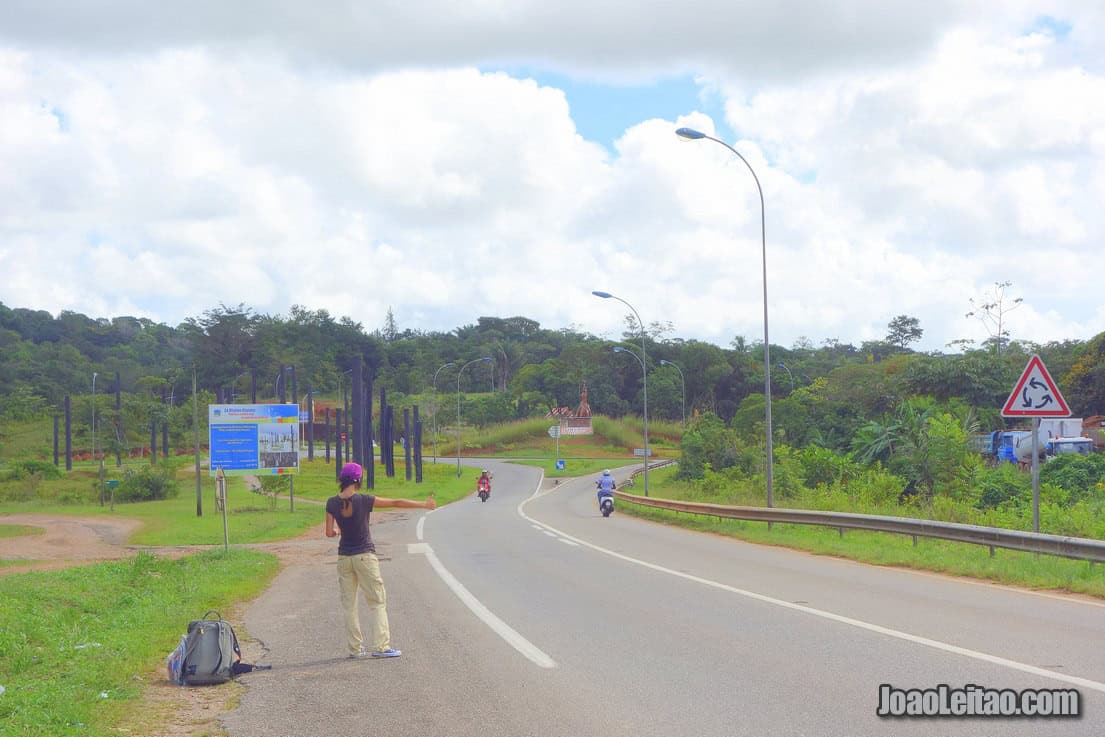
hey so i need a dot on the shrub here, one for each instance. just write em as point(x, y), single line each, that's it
point(1002, 485)
point(25, 469)
point(1078, 475)
point(147, 484)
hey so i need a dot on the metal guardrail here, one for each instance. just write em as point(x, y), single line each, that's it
point(995, 537)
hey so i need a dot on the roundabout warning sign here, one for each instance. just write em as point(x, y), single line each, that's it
point(1035, 394)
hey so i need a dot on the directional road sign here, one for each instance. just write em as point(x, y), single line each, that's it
point(554, 431)
point(1035, 394)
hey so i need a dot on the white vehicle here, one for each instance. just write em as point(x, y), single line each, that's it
point(1064, 446)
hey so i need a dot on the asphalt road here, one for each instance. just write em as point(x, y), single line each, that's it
point(533, 615)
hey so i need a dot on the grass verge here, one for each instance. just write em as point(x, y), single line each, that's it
point(19, 530)
point(315, 481)
point(878, 548)
point(76, 646)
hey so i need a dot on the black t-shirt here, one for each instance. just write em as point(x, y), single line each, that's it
point(352, 517)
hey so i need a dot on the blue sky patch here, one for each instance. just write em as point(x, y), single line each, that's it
point(602, 112)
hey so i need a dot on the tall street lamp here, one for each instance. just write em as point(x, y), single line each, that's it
point(644, 370)
point(435, 405)
point(692, 135)
point(783, 366)
point(461, 371)
point(640, 360)
point(682, 388)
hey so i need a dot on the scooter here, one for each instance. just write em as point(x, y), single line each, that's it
point(484, 491)
point(606, 500)
point(606, 504)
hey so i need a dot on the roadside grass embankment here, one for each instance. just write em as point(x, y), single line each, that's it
point(528, 441)
point(1006, 566)
point(79, 646)
point(252, 516)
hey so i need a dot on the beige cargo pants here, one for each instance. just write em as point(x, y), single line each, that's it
point(362, 572)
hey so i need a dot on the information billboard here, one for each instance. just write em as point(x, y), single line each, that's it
point(258, 439)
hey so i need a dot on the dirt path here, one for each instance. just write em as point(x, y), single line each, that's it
point(167, 710)
point(65, 541)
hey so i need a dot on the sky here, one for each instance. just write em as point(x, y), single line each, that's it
point(455, 160)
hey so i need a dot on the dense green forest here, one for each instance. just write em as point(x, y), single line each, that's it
point(866, 427)
point(822, 395)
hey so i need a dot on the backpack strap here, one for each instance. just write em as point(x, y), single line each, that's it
point(212, 611)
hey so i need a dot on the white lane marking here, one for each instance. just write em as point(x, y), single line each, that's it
point(498, 626)
point(858, 623)
point(550, 534)
point(568, 542)
point(421, 524)
point(539, 528)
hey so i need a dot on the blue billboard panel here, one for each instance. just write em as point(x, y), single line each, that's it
point(254, 438)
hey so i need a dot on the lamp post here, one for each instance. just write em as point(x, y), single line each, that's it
point(644, 370)
point(692, 135)
point(783, 366)
point(461, 371)
point(619, 349)
point(682, 388)
point(435, 405)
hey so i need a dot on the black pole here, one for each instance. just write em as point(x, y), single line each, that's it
point(310, 424)
point(417, 447)
point(358, 410)
point(57, 420)
point(327, 434)
point(295, 393)
point(385, 438)
point(391, 441)
point(371, 465)
point(338, 451)
point(68, 434)
point(253, 385)
point(283, 384)
point(407, 442)
point(153, 442)
point(345, 427)
point(118, 419)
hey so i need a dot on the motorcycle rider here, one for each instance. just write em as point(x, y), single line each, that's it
point(606, 486)
point(484, 482)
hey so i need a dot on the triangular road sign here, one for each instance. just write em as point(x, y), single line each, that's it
point(1035, 394)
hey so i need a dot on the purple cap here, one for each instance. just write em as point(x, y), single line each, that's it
point(351, 473)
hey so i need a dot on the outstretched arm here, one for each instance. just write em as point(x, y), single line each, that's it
point(383, 501)
point(330, 531)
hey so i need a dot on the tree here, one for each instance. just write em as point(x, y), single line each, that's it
point(904, 330)
point(992, 311)
point(391, 329)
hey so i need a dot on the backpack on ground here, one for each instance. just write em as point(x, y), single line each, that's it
point(210, 651)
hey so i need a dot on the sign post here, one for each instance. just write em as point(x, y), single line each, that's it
point(554, 432)
point(1035, 395)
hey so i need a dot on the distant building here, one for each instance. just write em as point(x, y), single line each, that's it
point(577, 422)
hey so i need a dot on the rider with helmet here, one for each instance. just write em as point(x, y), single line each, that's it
point(484, 482)
point(606, 485)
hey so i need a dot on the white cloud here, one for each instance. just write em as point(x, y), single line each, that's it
point(908, 161)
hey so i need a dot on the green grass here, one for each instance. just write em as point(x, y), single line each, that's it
point(961, 559)
point(59, 682)
point(315, 480)
point(30, 439)
point(19, 530)
point(578, 467)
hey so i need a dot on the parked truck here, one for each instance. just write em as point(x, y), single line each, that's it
point(1057, 436)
